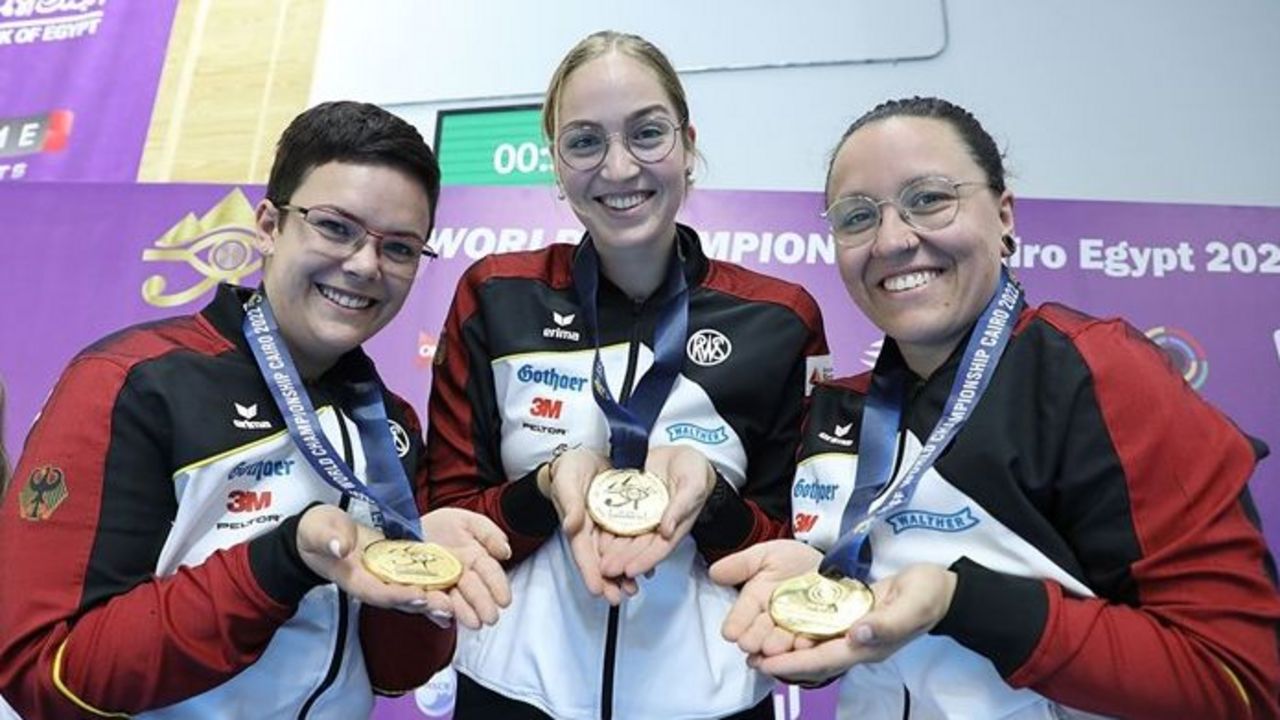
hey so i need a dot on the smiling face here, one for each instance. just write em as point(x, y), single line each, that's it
point(624, 203)
point(922, 288)
point(326, 305)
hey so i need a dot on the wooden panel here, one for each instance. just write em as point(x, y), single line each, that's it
point(235, 73)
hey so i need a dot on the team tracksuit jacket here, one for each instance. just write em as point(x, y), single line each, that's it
point(1096, 513)
point(511, 384)
point(147, 542)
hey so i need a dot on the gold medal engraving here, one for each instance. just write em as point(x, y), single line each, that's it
point(819, 607)
point(627, 502)
point(408, 562)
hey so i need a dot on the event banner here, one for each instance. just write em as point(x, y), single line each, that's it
point(77, 82)
point(1203, 282)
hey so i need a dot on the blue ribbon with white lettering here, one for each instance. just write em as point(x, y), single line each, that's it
point(631, 421)
point(388, 494)
point(873, 495)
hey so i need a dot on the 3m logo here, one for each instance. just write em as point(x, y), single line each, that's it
point(804, 522)
point(546, 408)
point(708, 347)
point(239, 501)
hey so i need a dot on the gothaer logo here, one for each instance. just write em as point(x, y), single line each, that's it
point(218, 246)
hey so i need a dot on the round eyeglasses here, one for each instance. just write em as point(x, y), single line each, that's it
point(398, 254)
point(649, 141)
point(930, 203)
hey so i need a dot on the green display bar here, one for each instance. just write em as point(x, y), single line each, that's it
point(493, 146)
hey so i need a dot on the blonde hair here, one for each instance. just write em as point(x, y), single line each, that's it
point(602, 43)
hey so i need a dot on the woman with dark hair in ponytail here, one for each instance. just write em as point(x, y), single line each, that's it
point(1050, 523)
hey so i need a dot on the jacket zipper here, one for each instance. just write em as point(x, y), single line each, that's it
point(335, 663)
point(611, 630)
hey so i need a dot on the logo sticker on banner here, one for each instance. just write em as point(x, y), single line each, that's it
point(218, 246)
point(1187, 356)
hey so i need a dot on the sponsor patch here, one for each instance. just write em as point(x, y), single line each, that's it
point(543, 429)
point(838, 436)
point(958, 521)
point(261, 468)
point(399, 437)
point(560, 330)
point(551, 378)
point(247, 418)
point(44, 491)
point(814, 490)
point(697, 433)
point(804, 522)
point(708, 347)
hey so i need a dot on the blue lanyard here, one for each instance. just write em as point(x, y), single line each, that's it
point(882, 414)
point(630, 423)
point(395, 513)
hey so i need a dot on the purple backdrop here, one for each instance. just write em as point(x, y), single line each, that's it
point(77, 83)
point(85, 259)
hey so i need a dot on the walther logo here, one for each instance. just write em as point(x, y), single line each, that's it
point(218, 246)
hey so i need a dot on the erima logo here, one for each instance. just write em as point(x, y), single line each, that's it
point(958, 521)
point(708, 347)
point(697, 433)
point(558, 332)
point(838, 436)
point(399, 437)
point(246, 420)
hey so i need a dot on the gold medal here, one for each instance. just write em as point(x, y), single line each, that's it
point(819, 607)
point(409, 562)
point(627, 502)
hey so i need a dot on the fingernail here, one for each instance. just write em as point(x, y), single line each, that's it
point(443, 615)
point(864, 634)
point(335, 548)
point(506, 550)
point(419, 602)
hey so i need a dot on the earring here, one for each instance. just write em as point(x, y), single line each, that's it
point(1010, 245)
point(559, 191)
point(688, 176)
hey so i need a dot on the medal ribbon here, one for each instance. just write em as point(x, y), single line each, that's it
point(388, 494)
point(882, 415)
point(631, 422)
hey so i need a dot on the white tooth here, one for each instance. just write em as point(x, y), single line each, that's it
point(908, 281)
point(345, 300)
point(623, 202)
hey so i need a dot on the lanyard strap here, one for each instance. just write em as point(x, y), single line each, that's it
point(631, 422)
point(874, 496)
point(388, 494)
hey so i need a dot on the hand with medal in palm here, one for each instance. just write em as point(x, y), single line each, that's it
point(565, 481)
point(906, 605)
point(333, 544)
point(689, 479)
